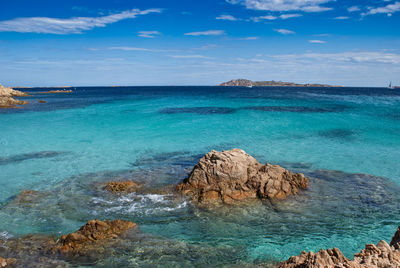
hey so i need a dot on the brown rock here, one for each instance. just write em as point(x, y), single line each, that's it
point(121, 186)
point(7, 262)
point(42, 101)
point(234, 175)
point(381, 255)
point(91, 235)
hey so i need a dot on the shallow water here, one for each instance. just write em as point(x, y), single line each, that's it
point(154, 135)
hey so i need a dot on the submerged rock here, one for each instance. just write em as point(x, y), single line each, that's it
point(381, 255)
point(230, 176)
point(91, 235)
point(121, 187)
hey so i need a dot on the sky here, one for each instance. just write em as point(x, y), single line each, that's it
point(189, 42)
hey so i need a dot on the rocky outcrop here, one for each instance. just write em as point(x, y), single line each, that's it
point(93, 234)
point(234, 175)
point(7, 262)
point(7, 100)
point(238, 83)
point(381, 255)
point(121, 187)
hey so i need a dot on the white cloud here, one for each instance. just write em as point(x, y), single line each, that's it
point(288, 16)
point(139, 49)
point(284, 5)
point(75, 25)
point(317, 41)
point(189, 57)
point(353, 9)
point(148, 34)
point(227, 17)
point(209, 32)
point(342, 18)
point(271, 17)
point(250, 38)
point(284, 31)
point(373, 57)
point(261, 18)
point(389, 9)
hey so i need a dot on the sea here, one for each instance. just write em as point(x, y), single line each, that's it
point(346, 140)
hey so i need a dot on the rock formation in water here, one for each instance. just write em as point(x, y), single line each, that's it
point(234, 175)
point(55, 91)
point(91, 235)
point(121, 187)
point(249, 83)
point(6, 97)
point(381, 255)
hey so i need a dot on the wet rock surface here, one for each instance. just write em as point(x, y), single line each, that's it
point(230, 176)
point(381, 255)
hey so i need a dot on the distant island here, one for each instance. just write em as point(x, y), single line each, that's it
point(249, 83)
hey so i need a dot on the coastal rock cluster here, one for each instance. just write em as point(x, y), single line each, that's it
point(6, 97)
point(381, 255)
point(234, 175)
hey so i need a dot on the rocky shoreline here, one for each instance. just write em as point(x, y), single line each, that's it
point(381, 255)
point(219, 178)
point(7, 97)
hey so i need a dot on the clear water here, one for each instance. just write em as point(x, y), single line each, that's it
point(347, 140)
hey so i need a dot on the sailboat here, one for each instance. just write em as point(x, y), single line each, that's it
point(390, 85)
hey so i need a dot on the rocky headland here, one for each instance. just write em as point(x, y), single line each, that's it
point(234, 175)
point(249, 83)
point(381, 255)
point(7, 97)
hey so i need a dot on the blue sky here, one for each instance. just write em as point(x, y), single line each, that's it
point(149, 42)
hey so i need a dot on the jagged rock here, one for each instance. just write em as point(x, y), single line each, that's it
point(121, 187)
point(396, 239)
point(7, 262)
point(381, 255)
point(323, 258)
point(234, 175)
point(91, 235)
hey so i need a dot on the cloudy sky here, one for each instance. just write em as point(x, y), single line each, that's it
point(188, 42)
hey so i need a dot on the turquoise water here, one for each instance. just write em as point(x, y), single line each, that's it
point(346, 139)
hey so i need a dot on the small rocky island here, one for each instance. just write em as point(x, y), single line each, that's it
point(232, 176)
point(249, 83)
